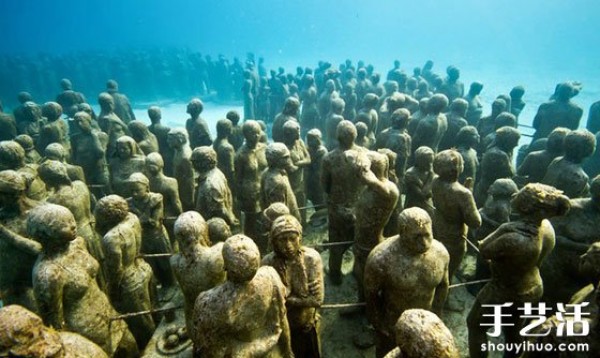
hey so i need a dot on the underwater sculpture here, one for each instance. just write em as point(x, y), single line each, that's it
point(182, 167)
point(300, 158)
point(288, 113)
point(467, 141)
point(55, 130)
point(333, 118)
point(312, 181)
point(225, 153)
point(129, 159)
point(12, 156)
point(456, 121)
point(558, 112)
point(418, 180)
point(122, 106)
point(475, 108)
point(516, 251)
point(161, 132)
point(405, 272)
point(144, 138)
point(431, 129)
point(196, 126)
point(275, 185)
point(110, 123)
point(534, 166)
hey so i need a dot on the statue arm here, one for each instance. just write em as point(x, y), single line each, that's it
point(326, 179)
point(20, 242)
point(239, 173)
point(373, 283)
point(48, 290)
point(113, 260)
point(471, 215)
point(156, 215)
point(316, 287)
point(441, 291)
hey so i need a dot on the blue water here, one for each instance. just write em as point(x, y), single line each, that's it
point(536, 43)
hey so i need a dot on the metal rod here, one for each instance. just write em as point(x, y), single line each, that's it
point(146, 256)
point(343, 305)
point(472, 245)
point(469, 283)
point(313, 206)
point(143, 313)
point(328, 244)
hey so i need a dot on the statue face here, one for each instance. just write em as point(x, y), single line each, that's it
point(68, 232)
point(418, 238)
point(84, 125)
point(124, 151)
point(152, 169)
point(286, 245)
point(253, 136)
point(138, 191)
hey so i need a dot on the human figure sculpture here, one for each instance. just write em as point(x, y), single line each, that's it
point(397, 139)
point(218, 230)
point(110, 123)
point(225, 153)
point(149, 209)
point(129, 278)
point(288, 113)
point(497, 161)
point(418, 116)
point(23, 334)
point(351, 100)
point(593, 121)
point(8, 126)
point(129, 159)
point(56, 151)
point(334, 117)
point(326, 97)
point(196, 126)
point(19, 112)
point(89, 153)
point(575, 233)
point(300, 158)
point(316, 151)
point(418, 181)
point(486, 124)
point(161, 133)
point(17, 251)
point(122, 106)
point(456, 121)
point(475, 108)
point(420, 333)
point(467, 141)
point(432, 128)
point(515, 252)
point(422, 91)
point(65, 287)
point(309, 117)
point(455, 209)
point(165, 186)
point(362, 139)
point(373, 209)
point(250, 161)
point(534, 166)
point(248, 96)
point(31, 121)
point(267, 217)
point(504, 119)
point(341, 181)
point(69, 99)
point(516, 100)
point(237, 136)
point(559, 112)
point(370, 102)
point(75, 196)
point(144, 138)
point(274, 183)
point(301, 271)
point(405, 272)
point(245, 316)
point(452, 87)
point(55, 130)
point(198, 266)
point(183, 170)
point(565, 173)
point(32, 156)
point(12, 156)
point(213, 196)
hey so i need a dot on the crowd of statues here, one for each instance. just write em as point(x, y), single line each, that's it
point(102, 214)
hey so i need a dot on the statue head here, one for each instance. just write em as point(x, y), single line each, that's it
point(139, 185)
point(400, 118)
point(453, 73)
point(54, 173)
point(190, 229)
point(234, 117)
point(52, 111)
point(291, 106)
point(459, 106)
point(556, 140)
point(421, 333)
point(12, 187)
point(540, 201)
point(579, 144)
point(338, 105)
point(278, 155)
point(177, 138)
point(475, 88)
point(505, 119)
point(106, 102)
point(55, 151)
point(370, 100)
point(395, 101)
point(224, 128)
point(424, 157)
point(204, 159)
point(437, 103)
point(127, 148)
point(23, 97)
point(507, 138)
point(517, 93)
point(415, 230)
point(565, 91)
point(346, 134)
point(66, 84)
point(498, 106)
point(138, 130)
point(155, 114)
point(112, 86)
point(84, 121)
point(448, 165)
point(379, 164)
point(218, 230)
point(25, 141)
point(195, 107)
point(291, 131)
point(314, 138)
point(154, 164)
point(241, 258)
point(53, 226)
point(110, 210)
point(12, 155)
point(286, 236)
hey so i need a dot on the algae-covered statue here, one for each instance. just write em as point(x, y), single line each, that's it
point(275, 184)
point(246, 315)
point(420, 333)
point(515, 252)
point(534, 166)
point(32, 156)
point(23, 334)
point(405, 272)
point(225, 152)
point(12, 156)
point(288, 113)
point(312, 181)
point(55, 151)
point(455, 210)
point(129, 278)
point(110, 123)
point(432, 128)
point(301, 271)
point(147, 141)
point(213, 196)
point(90, 154)
point(148, 207)
point(300, 159)
point(129, 159)
point(17, 251)
point(165, 186)
point(56, 130)
point(197, 128)
point(198, 266)
point(182, 167)
point(250, 161)
point(418, 181)
point(64, 282)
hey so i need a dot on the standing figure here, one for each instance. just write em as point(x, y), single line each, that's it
point(55, 151)
point(198, 266)
point(129, 278)
point(17, 251)
point(165, 186)
point(56, 130)
point(487, 124)
point(515, 252)
point(248, 96)
point(226, 153)
point(110, 123)
point(467, 140)
point(144, 138)
point(418, 181)
point(534, 166)
point(288, 113)
point(373, 210)
point(559, 112)
point(455, 209)
point(309, 117)
point(250, 161)
point(475, 108)
point(452, 87)
point(32, 156)
point(301, 271)
point(196, 126)
point(161, 133)
point(183, 171)
point(213, 197)
point(129, 159)
point(565, 173)
point(274, 183)
point(342, 184)
point(456, 121)
point(300, 159)
point(316, 151)
point(31, 122)
point(431, 129)
point(516, 100)
point(405, 272)
point(89, 154)
point(122, 106)
point(236, 138)
point(148, 207)
point(68, 99)
point(12, 156)
point(334, 117)
point(246, 315)
point(64, 282)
